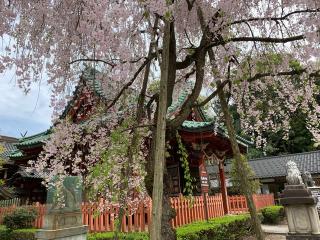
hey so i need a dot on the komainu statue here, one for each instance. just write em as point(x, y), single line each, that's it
point(293, 174)
point(307, 179)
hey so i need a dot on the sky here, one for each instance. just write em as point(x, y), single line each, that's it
point(21, 113)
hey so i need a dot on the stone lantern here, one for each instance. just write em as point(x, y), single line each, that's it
point(300, 207)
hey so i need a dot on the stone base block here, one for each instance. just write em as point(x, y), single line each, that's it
point(302, 237)
point(71, 233)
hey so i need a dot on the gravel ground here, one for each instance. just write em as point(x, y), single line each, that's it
point(268, 237)
point(275, 237)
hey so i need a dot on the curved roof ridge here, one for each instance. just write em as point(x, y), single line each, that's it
point(34, 136)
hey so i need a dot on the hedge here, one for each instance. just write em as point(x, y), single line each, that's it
point(272, 214)
point(20, 218)
point(122, 236)
point(227, 227)
point(19, 234)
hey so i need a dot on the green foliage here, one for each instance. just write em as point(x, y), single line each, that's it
point(246, 171)
point(227, 227)
point(295, 65)
point(183, 153)
point(122, 236)
point(274, 59)
point(19, 234)
point(299, 138)
point(154, 87)
point(254, 153)
point(118, 149)
point(272, 214)
point(20, 218)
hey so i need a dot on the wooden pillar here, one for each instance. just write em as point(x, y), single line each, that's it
point(204, 185)
point(223, 187)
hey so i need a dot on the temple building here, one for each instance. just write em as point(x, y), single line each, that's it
point(205, 142)
point(271, 171)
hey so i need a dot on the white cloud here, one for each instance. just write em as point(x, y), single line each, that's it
point(23, 112)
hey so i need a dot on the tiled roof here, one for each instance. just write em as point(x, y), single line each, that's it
point(194, 126)
point(26, 174)
point(15, 154)
point(36, 139)
point(8, 144)
point(275, 166)
point(6, 193)
point(28, 142)
point(89, 75)
point(176, 105)
point(197, 125)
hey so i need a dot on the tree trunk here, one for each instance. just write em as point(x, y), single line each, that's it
point(168, 213)
point(167, 231)
point(160, 139)
point(244, 181)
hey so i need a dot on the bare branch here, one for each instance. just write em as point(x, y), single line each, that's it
point(189, 103)
point(266, 39)
point(276, 19)
point(212, 95)
point(256, 77)
point(187, 61)
point(128, 84)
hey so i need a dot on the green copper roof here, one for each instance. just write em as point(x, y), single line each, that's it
point(198, 126)
point(28, 142)
point(89, 79)
point(39, 138)
point(89, 76)
point(16, 154)
point(195, 125)
point(178, 103)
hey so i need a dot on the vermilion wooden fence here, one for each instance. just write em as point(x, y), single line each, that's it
point(40, 208)
point(187, 211)
point(262, 200)
point(238, 204)
point(105, 221)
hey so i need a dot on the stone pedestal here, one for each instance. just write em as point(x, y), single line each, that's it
point(60, 225)
point(63, 220)
point(71, 233)
point(301, 212)
point(315, 191)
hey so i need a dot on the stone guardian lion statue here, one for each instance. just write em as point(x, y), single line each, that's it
point(293, 174)
point(307, 179)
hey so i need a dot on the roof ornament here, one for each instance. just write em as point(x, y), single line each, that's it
point(23, 134)
point(293, 174)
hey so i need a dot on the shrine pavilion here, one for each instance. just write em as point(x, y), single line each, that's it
point(204, 141)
